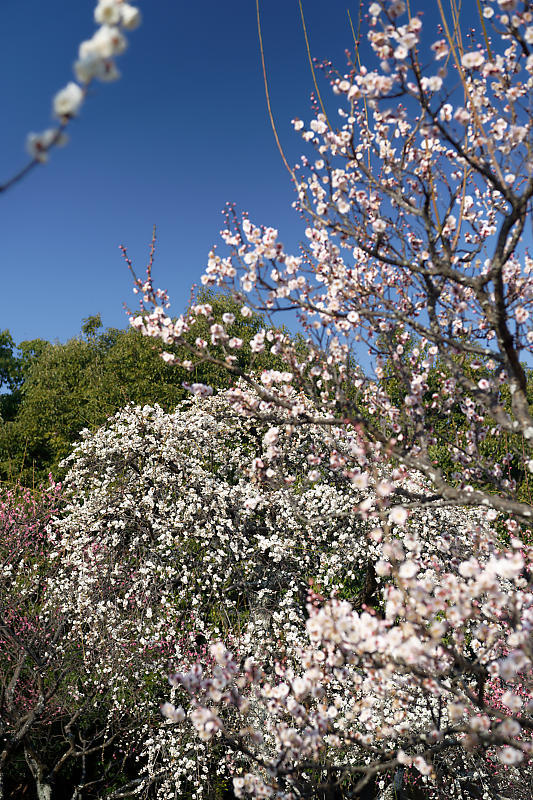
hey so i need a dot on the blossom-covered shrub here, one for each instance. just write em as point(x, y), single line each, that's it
point(177, 532)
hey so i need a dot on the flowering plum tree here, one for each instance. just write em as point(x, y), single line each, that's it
point(414, 291)
point(25, 637)
point(429, 197)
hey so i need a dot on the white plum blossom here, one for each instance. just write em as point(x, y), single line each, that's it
point(68, 101)
point(107, 42)
point(131, 17)
point(472, 60)
point(199, 389)
point(379, 225)
point(521, 314)
point(172, 713)
point(271, 436)
point(95, 61)
point(38, 144)
point(398, 515)
point(107, 12)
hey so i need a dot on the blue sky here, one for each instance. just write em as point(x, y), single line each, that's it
point(183, 131)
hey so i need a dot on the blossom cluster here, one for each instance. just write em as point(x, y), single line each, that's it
point(96, 60)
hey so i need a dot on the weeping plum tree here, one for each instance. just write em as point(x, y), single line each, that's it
point(417, 199)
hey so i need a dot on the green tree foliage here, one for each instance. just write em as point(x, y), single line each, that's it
point(14, 367)
point(56, 390)
point(504, 450)
point(9, 376)
point(8, 361)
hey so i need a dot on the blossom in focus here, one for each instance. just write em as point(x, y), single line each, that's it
point(521, 314)
point(472, 60)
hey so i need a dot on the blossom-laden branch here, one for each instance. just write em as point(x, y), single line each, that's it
point(95, 61)
point(443, 677)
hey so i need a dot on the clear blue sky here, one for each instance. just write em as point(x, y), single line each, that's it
point(182, 132)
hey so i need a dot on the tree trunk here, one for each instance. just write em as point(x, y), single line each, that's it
point(44, 789)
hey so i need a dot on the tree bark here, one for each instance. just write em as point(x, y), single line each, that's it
point(44, 789)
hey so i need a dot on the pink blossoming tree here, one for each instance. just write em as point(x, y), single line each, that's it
point(47, 723)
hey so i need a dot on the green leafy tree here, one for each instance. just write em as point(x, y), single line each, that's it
point(57, 389)
point(14, 367)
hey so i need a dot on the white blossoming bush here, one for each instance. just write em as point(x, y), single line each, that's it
point(177, 533)
point(182, 530)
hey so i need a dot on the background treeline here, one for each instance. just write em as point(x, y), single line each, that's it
point(51, 391)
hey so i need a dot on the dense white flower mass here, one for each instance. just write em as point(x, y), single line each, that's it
point(174, 537)
point(188, 492)
point(188, 530)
